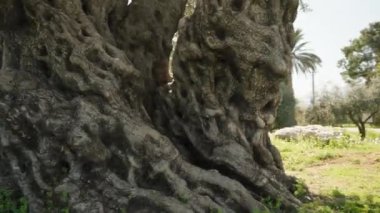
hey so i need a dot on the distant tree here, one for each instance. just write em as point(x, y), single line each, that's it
point(362, 57)
point(300, 115)
point(376, 120)
point(324, 112)
point(361, 104)
point(286, 111)
point(320, 113)
point(304, 61)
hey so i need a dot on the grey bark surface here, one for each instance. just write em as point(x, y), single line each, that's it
point(89, 122)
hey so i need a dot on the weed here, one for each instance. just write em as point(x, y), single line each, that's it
point(10, 203)
point(183, 198)
point(326, 156)
point(301, 189)
point(274, 205)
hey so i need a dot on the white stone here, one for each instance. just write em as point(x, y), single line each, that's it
point(317, 131)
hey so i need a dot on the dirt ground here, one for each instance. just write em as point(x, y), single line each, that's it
point(352, 173)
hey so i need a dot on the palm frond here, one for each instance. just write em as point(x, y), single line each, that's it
point(303, 60)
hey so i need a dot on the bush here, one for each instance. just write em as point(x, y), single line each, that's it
point(286, 110)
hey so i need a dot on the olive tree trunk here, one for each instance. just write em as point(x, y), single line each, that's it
point(90, 123)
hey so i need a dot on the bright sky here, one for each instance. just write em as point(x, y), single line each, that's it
point(328, 27)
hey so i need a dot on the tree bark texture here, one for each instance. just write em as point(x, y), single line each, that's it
point(89, 122)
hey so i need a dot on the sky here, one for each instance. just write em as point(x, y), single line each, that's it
point(328, 27)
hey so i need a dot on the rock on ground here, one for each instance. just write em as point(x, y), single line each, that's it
point(317, 131)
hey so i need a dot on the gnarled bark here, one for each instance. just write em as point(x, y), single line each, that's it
point(88, 112)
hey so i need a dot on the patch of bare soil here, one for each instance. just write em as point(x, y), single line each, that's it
point(316, 179)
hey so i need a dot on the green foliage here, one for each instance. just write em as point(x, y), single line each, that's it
point(301, 189)
point(10, 203)
point(183, 198)
point(273, 205)
point(303, 152)
point(376, 120)
point(57, 202)
point(320, 114)
point(303, 60)
point(215, 210)
point(358, 105)
point(309, 151)
point(339, 202)
point(286, 110)
point(325, 110)
point(362, 62)
point(301, 115)
point(362, 56)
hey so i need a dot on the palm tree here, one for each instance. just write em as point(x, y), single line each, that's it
point(303, 60)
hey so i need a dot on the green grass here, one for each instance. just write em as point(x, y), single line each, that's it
point(298, 155)
point(372, 134)
point(343, 174)
point(351, 125)
point(336, 201)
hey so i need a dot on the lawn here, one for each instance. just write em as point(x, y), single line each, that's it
point(343, 174)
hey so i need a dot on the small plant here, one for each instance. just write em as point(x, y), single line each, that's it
point(10, 203)
point(183, 198)
point(301, 189)
point(326, 156)
point(57, 202)
point(315, 207)
point(274, 205)
point(216, 210)
point(337, 194)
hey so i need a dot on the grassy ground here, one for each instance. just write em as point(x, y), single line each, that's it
point(353, 125)
point(344, 174)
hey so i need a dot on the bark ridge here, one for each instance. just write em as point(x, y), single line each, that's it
point(90, 123)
